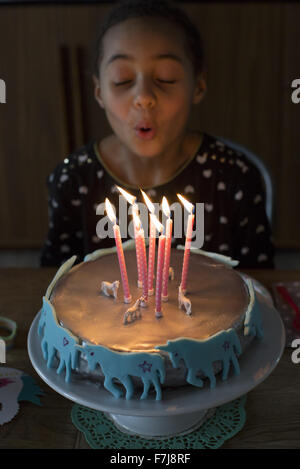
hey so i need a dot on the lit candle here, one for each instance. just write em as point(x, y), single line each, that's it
point(122, 264)
point(169, 227)
point(159, 268)
point(141, 255)
point(135, 211)
point(152, 244)
point(188, 240)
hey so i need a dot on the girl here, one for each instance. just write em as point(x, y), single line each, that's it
point(149, 74)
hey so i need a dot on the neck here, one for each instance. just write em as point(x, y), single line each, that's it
point(145, 172)
point(155, 170)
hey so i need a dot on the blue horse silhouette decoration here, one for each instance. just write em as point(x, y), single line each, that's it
point(57, 339)
point(199, 355)
point(120, 365)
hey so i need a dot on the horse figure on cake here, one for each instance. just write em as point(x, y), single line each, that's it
point(110, 289)
point(133, 313)
point(57, 339)
point(149, 367)
point(199, 355)
point(184, 301)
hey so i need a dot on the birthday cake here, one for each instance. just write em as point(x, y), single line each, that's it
point(88, 332)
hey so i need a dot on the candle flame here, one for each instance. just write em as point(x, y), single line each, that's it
point(110, 211)
point(149, 204)
point(157, 223)
point(186, 203)
point(165, 207)
point(136, 220)
point(130, 198)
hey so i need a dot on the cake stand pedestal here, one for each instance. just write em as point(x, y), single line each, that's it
point(184, 409)
point(160, 427)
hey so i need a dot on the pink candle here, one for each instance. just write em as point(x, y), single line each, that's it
point(131, 199)
point(152, 243)
point(121, 258)
point(159, 275)
point(169, 226)
point(187, 250)
point(122, 264)
point(135, 213)
point(151, 258)
point(188, 241)
point(142, 258)
point(159, 267)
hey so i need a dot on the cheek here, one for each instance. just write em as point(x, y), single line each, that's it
point(178, 102)
point(117, 107)
point(176, 110)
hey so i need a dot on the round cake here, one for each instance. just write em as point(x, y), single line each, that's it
point(92, 340)
point(218, 295)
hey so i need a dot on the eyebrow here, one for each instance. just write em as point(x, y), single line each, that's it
point(131, 58)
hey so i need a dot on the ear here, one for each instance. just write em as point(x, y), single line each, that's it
point(97, 91)
point(200, 88)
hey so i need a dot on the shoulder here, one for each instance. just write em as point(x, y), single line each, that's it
point(232, 161)
point(75, 167)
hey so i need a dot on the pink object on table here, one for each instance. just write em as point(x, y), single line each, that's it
point(151, 256)
point(159, 275)
point(286, 296)
point(169, 227)
point(187, 249)
point(122, 264)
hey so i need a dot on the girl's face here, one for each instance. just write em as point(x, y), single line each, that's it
point(147, 85)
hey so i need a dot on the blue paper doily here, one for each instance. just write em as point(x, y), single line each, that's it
point(101, 433)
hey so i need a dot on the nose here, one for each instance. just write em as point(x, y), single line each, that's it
point(144, 97)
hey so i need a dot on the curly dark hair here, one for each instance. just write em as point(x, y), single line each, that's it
point(126, 9)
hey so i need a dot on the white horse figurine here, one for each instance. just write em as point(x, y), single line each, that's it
point(110, 289)
point(133, 312)
point(171, 273)
point(184, 301)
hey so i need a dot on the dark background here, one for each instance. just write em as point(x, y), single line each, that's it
point(46, 49)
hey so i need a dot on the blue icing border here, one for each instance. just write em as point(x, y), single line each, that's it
point(121, 365)
point(115, 365)
point(199, 355)
point(57, 339)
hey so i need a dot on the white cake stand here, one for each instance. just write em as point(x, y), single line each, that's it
point(182, 409)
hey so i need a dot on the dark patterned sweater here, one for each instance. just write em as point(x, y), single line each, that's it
point(229, 185)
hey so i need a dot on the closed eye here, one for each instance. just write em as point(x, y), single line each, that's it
point(126, 82)
point(170, 82)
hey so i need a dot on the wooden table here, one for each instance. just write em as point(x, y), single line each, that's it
point(273, 407)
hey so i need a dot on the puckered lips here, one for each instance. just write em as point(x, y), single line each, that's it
point(145, 130)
